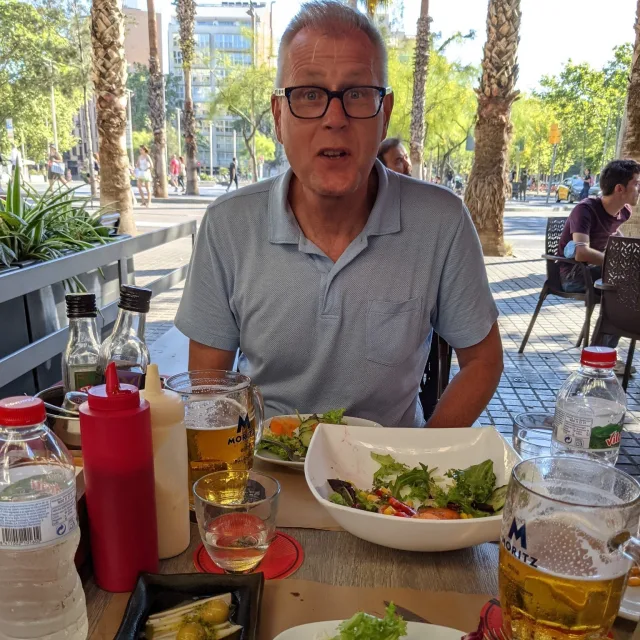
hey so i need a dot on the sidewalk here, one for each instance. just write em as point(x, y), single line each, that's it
point(530, 381)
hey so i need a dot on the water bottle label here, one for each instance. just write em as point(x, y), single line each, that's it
point(37, 523)
point(585, 432)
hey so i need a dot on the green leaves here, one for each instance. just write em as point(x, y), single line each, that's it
point(45, 227)
point(367, 627)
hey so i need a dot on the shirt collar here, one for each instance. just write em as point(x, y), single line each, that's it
point(383, 219)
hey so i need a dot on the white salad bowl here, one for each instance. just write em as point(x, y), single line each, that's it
point(344, 453)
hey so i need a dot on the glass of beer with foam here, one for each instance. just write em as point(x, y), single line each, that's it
point(564, 556)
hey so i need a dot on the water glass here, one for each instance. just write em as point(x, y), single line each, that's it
point(532, 433)
point(236, 512)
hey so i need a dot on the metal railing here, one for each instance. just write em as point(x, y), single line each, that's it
point(19, 283)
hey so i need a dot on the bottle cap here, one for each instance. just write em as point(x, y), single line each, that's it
point(81, 305)
point(113, 396)
point(166, 405)
point(134, 298)
point(21, 411)
point(599, 357)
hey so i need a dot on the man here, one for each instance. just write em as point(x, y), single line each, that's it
point(591, 223)
point(331, 277)
point(174, 172)
point(233, 174)
point(394, 156)
point(524, 180)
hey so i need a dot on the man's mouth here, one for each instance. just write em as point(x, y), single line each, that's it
point(333, 153)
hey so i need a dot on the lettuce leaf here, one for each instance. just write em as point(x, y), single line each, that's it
point(366, 627)
point(389, 469)
point(333, 417)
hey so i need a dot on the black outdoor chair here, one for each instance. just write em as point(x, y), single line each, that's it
point(553, 286)
point(436, 374)
point(620, 290)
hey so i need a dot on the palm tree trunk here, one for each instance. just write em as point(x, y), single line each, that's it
point(109, 80)
point(186, 11)
point(156, 108)
point(488, 182)
point(421, 65)
point(631, 140)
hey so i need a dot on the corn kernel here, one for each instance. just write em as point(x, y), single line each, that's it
point(409, 503)
point(466, 516)
point(389, 511)
point(385, 491)
point(372, 498)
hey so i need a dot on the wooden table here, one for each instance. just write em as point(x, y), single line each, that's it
point(340, 559)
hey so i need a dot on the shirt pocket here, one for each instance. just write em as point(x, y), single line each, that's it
point(393, 329)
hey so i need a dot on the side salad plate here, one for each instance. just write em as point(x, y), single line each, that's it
point(329, 630)
point(286, 438)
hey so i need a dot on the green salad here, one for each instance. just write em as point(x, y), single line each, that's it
point(405, 492)
point(366, 627)
point(295, 432)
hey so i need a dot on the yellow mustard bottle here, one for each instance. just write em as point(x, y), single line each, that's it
point(170, 462)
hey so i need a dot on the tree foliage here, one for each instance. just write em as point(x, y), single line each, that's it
point(245, 92)
point(450, 103)
point(588, 106)
point(37, 47)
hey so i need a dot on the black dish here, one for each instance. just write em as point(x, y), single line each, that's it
point(155, 593)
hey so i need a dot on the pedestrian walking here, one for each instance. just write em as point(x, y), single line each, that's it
point(182, 173)
point(143, 175)
point(233, 174)
point(55, 167)
point(586, 185)
point(174, 172)
point(524, 179)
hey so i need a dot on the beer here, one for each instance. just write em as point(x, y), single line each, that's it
point(220, 449)
point(545, 606)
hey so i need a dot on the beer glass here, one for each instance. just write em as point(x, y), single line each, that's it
point(560, 575)
point(224, 413)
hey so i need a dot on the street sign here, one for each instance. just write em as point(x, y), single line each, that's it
point(10, 129)
point(554, 134)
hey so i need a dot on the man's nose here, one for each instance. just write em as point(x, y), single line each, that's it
point(335, 117)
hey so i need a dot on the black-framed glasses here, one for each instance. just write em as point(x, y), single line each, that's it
point(309, 102)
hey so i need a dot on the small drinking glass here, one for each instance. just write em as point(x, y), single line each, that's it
point(236, 512)
point(532, 433)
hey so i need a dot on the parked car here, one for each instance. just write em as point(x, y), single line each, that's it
point(569, 189)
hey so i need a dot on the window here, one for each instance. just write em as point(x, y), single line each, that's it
point(227, 41)
point(201, 78)
point(224, 126)
point(177, 51)
point(202, 51)
point(201, 94)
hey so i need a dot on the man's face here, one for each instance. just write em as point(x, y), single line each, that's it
point(632, 190)
point(397, 159)
point(333, 155)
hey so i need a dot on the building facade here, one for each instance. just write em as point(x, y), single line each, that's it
point(136, 34)
point(222, 36)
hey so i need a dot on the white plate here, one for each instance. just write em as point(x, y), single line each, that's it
point(345, 453)
point(324, 630)
point(630, 607)
point(267, 456)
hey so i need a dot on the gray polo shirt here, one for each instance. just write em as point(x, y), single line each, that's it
point(317, 335)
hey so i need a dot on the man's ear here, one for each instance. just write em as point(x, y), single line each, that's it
point(276, 110)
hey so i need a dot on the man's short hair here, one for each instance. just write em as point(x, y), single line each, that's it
point(335, 18)
point(618, 172)
point(387, 145)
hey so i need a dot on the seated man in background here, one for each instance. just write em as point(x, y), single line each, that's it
point(394, 156)
point(593, 221)
point(331, 277)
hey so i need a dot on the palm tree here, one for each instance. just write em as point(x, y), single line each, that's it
point(631, 140)
point(421, 65)
point(186, 12)
point(156, 108)
point(488, 183)
point(109, 81)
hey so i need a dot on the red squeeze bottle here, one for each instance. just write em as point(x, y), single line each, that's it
point(117, 450)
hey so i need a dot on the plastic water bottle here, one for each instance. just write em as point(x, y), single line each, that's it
point(41, 594)
point(590, 408)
